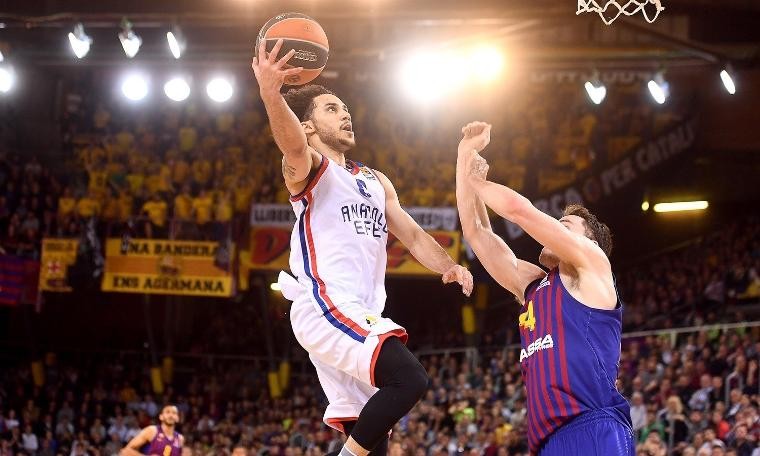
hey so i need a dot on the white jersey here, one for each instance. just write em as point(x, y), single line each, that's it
point(338, 244)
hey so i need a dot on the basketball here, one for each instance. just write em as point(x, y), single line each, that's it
point(305, 35)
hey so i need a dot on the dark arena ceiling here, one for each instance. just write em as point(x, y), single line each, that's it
point(546, 33)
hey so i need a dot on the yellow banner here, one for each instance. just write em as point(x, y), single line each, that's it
point(57, 256)
point(270, 249)
point(158, 266)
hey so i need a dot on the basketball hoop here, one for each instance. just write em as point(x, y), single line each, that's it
point(629, 9)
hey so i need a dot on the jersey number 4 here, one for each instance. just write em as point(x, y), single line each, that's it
point(528, 319)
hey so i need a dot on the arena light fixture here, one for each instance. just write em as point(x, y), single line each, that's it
point(176, 40)
point(134, 87)
point(595, 88)
point(80, 41)
point(7, 79)
point(130, 42)
point(274, 286)
point(486, 63)
point(177, 89)
point(659, 88)
point(681, 206)
point(219, 89)
point(728, 80)
point(645, 206)
point(416, 70)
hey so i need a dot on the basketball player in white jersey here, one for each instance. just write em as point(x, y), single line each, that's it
point(344, 211)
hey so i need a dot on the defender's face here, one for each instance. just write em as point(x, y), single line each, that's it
point(332, 122)
point(577, 225)
point(169, 416)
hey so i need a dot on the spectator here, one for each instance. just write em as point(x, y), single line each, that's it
point(156, 211)
point(30, 442)
point(638, 412)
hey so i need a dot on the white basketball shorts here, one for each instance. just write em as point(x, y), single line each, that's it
point(343, 341)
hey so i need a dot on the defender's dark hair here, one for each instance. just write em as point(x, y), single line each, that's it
point(595, 230)
point(301, 99)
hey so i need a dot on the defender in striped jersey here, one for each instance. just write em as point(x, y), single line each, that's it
point(160, 440)
point(571, 318)
point(344, 212)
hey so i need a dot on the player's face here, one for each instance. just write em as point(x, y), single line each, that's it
point(169, 416)
point(332, 122)
point(577, 225)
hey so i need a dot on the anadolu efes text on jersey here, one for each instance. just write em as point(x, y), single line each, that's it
point(338, 244)
point(366, 219)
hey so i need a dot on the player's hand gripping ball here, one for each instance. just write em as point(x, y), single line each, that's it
point(302, 34)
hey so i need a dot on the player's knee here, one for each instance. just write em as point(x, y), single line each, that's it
point(418, 380)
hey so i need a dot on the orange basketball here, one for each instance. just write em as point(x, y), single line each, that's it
point(305, 35)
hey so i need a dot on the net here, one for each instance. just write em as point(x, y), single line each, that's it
point(612, 9)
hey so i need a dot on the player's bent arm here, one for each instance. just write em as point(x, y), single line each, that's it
point(496, 257)
point(138, 441)
point(571, 248)
point(290, 138)
point(421, 245)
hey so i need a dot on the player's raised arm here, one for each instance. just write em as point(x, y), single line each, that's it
point(286, 127)
point(572, 248)
point(144, 437)
point(421, 245)
point(498, 259)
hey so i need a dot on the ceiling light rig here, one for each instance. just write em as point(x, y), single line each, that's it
point(130, 42)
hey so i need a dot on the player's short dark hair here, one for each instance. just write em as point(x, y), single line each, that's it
point(595, 230)
point(163, 407)
point(301, 99)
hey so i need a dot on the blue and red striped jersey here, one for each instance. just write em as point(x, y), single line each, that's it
point(162, 445)
point(569, 358)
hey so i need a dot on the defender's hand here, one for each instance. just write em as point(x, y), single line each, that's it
point(477, 135)
point(461, 275)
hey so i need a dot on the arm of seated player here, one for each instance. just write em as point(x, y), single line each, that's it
point(572, 248)
point(133, 447)
point(421, 245)
point(286, 127)
point(496, 257)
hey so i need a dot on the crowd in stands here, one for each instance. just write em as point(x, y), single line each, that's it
point(694, 285)
point(698, 396)
point(203, 163)
point(28, 205)
point(192, 170)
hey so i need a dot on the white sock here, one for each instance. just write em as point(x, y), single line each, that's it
point(345, 452)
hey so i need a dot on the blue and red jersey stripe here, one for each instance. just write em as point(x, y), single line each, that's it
point(576, 372)
point(319, 290)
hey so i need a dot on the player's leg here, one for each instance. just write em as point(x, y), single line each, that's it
point(371, 351)
point(402, 381)
point(380, 450)
point(346, 396)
